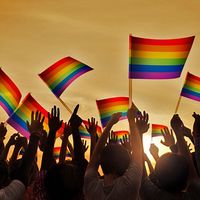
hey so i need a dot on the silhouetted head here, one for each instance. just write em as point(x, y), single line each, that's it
point(172, 171)
point(63, 181)
point(3, 173)
point(114, 159)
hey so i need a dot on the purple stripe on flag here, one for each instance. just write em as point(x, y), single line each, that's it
point(154, 75)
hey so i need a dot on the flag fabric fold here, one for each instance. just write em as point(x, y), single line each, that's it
point(109, 106)
point(23, 114)
point(61, 74)
point(191, 88)
point(158, 58)
point(10, 95)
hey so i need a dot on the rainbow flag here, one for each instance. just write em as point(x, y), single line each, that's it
point(120, 134)
point(56, 152)
point(109, 106)
point(23, 113)
point(156, 130)
point(191, 88)
point(61, 74)
point(157, 58)
point(9, 94)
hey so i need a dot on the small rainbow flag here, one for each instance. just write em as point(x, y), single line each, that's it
point(156, 130)
point(61, 74)
point(109, 106)
point(9, 94)
point(120, 134)
point(191, 88)
point(23, 113)
point(157, 58)
point(56, 152)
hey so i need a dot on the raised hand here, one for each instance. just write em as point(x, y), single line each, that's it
point(85, 146)
point(75, 121)
point(142, 122)
point(13, 139)
point(21, 142)
point(36, 125)
point(154, 151)
point(67, 132)
point(92, 127)
point(196, 126)
point(168, 137)
point(3, 131)
point(54, 120)
point(125, 141)
point(176, 123)
point(43, 140)
point(132, 113)
point(112, 138)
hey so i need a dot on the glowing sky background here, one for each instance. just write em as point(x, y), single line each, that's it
point(36, 34)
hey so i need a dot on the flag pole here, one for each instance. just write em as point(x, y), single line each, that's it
point(130, 80)
point(179, 100)
point(130, 92)
point(65, 105)
point(177, 106)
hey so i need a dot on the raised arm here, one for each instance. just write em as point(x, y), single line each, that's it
point(196, 135)
point(178, 126)
point(54, 125)
point(10, 142)
point(92, 130)
point(94, 161)
point(75, 122)
point(35, 128)
point(66, 134)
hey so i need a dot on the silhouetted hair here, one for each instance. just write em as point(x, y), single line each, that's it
point(114, 159)
point(63, 181)
point(172, 172)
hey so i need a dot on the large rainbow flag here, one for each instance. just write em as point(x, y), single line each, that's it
point(109, 106)
point(56, 152)
point(23, 113)
point(191, 88)
point(156, 130)
point(157, 58)
point(9, 94)
point(61, 74)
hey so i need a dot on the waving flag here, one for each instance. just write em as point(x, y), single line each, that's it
point(156, 129)
point(157, 58)
point(23, 113)
point(61, 74)
point(109, 106)
point(191, 88)
point(9, 94)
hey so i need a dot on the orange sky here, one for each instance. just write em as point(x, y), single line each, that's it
point(35, 34)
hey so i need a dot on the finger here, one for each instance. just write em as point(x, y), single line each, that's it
point(36, 115)
point(162, 142)
point(39, 116)
point(32, 116)
point(58, 113)
point(76, 110)
point(42, 121)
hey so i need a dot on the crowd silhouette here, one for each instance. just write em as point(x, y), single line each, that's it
point(124, 173)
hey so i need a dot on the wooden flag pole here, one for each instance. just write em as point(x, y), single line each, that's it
point(177, 106)
point(65, 105)
point(130, 92)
